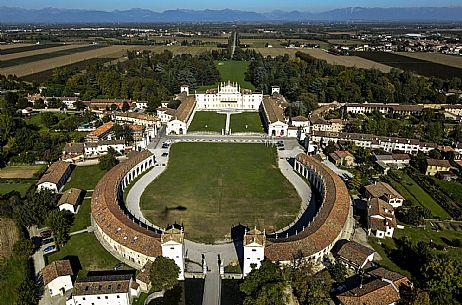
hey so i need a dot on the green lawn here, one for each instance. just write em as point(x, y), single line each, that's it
point(21, 187)
point(452, 188)
point(208, 121)
point(231, 70)
point(92, 256)
point(82, 218)
point(246, 122)
point(210, 187)
point(21, 171)
point(12, 273)
point(382, 247)
point(85, 177)
point(420, 195)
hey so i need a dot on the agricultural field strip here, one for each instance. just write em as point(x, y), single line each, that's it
point(38, 51)
point(442, 59)
point(47, 64)
point(56, 54)
point(12, 46)
point(10, 49)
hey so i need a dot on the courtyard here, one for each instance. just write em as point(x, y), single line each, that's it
point(246, 122)
point(209, 187)
point(208, 121)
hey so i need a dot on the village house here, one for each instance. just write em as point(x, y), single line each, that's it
point(321, 124)
point(354, 255)
point(385, 192)
point(57, 277)
point(381, 221)
point(379, 287)
point(393, 161)
point(342, 158)
point(164, 113)
point(143, 278)
point(435, 166)
point(400, 109)
point(106, 104)
point(254, 249)
point(103, 132)
point(104, 290)
point(70, 200)
point(55, 177)
point(272, 108)
point(183, 116)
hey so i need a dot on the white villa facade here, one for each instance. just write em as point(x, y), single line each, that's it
point(228, 96)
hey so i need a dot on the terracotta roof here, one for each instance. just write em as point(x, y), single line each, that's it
point(378, 207)
point(446, 148)
point(74, 148)
point(401, 157)
point(55, 270)
point(439, 163)
point(274, 109)
point(136, 115)
point(173, 234)
point(300, 119)
point(382, 190)
point(254, 236)
point(96, 285)
point(326, 226)
point(186, 108)
point(102, 129)
point(55, 172)
point(71, 196)
point(144, 275)
point(136, 127)
point(355, 252)
point(106, 211)
point(340, 154)
point(383, 273)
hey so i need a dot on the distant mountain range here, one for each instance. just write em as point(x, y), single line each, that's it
point(14, 15)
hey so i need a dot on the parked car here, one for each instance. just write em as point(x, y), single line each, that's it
point(164, 146)
point(49, 249)
point(164, 154)
point(45, 234)
point(47, 241)
point(118, 266)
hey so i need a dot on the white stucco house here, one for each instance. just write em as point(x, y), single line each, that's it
point(254, 250)
point(57, 277)
point(70, 200)
point(173, 247)
point(55, 177)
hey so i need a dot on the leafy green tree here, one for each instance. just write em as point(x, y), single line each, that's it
point(264, 285)
point(164, 273)
point(49, 119)
point(107, 161)
point(114, 107)
point(35, 208)
point(338, 272)
point(125, 106)
point(27, 293)
point(442, 275)
point(23, 248)
point(79, 105)
point(60, 225)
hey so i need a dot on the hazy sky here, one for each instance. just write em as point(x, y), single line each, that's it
point(254, 5)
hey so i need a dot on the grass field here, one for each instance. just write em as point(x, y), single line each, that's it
point(234, 71)
point(420, 195)
point(443, 59)
point(9, 234)
point(85, 177)
point(246, 122)
point(82, 218)
point(208, 121)
point(12, 274)
point(210, 187)
point(452, 188)
point(48, 55)
point(20, 171)
point(20, 187)
point(91, 254)
point(422, 67)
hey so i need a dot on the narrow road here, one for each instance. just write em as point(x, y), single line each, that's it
point(233, 48)
point(212, 285)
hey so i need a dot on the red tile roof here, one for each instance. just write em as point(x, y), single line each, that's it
point(55, 270)
point(326, 227)
point(106, 211)
point(55, 172)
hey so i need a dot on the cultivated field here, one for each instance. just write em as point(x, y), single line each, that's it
point(211, 187)
point(415, 65)
point(207, 121)
point(11, 56)
point(9, 234)
point(443, 59)
point(47, 64)
point(19, 171)
point(18, 48)
point(246, 122)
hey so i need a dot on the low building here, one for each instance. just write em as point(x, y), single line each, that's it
point(57, 277)
point(355, 255)
point(104, 290)
point(380, 287)
point(101, 133)
point(446, 176)
point(143, 278)
point(342, 158)
point(165, 114)
point(321, 124)
point(435, 166)
point(401, 109)
point(180, 122)
point(70, 200)
point(393, 161)
point(96, 149)
point(275, 122)
point(385, 192)
point(55, 177)
point(254, 250)
point(141, 104)
point(73, 152)
point(381, 221)
point(106, 104)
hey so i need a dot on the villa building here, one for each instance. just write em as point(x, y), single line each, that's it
point(435, 166)
point(385, 192)
point(381, 221)
point(55, 177)
point(355, 255)
point(57, 277)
